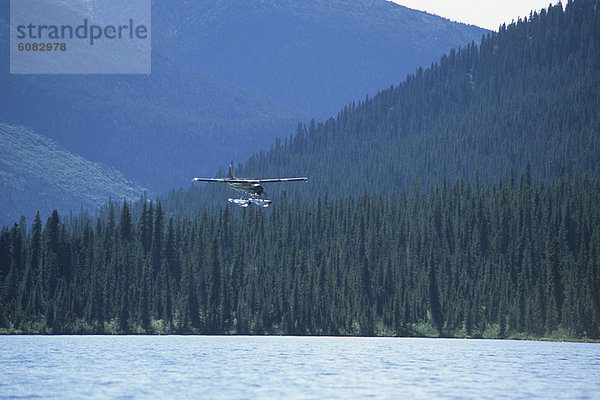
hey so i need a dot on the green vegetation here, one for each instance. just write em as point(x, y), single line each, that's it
point(530, 92)
point(36, 174)
point(508, 260)
point(385, 246)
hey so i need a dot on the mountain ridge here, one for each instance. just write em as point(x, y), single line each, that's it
point(190, 116)
point(320, 31)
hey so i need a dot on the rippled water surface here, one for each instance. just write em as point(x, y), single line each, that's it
point(270, 367)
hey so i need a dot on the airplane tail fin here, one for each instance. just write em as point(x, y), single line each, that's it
point(231, 170)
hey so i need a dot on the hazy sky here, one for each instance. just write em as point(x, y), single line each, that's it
point(488, 14)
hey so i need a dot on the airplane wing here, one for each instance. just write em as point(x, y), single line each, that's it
point(282, 180)
point(223, 180)
point(238, 180)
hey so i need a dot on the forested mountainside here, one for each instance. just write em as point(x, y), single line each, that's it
point(36, 174)
point(507, 260)
point(379, 243)
point(529, 93)
point(215, 66)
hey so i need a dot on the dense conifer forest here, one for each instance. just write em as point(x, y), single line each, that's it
point(507, 260)
point(413, 223)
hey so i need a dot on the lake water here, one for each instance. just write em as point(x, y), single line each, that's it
point(237, 367)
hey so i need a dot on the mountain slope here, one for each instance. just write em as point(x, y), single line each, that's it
point(530, 93)
point(36, 174)
point(158, 129)
point(217, 68)
point(313, 56)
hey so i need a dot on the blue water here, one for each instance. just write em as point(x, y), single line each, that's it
point(66, 367)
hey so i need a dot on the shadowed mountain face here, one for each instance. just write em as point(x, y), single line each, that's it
point(227, 78)
point(314, 56)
